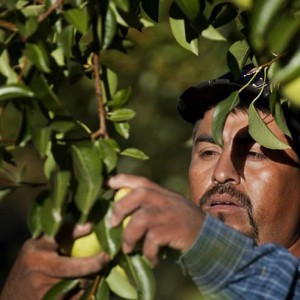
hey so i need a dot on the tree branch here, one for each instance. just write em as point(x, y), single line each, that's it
point(52, 8)
point(101, 132)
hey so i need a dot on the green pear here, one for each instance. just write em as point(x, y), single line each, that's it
point(86, 246)
point(118, 196)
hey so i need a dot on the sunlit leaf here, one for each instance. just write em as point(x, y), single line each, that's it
point(291, 91)
point(135, 153)
point(38, 55)
point(123, 4)
point(121, 97)
point(123, 128)
point(110, 28)
point(261, 133)
point(221, 113)
point(120, 285)
point(77, 17)
point(138, 269)
point(237, 56)
point(121, 115)
point(6, 69)
point(244, 4)
point(182, 32)
point(14, 91)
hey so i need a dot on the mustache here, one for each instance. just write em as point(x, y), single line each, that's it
point(243, 199)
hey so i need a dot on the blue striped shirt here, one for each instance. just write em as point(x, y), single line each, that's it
point(225, 264)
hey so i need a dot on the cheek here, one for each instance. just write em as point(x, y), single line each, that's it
point(199, 181)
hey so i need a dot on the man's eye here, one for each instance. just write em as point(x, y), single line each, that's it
point(255, 155)
point(206, 154)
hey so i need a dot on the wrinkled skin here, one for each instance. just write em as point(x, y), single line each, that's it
point(256, 191)
point(39, 267)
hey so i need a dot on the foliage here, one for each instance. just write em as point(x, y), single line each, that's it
point(47, 44)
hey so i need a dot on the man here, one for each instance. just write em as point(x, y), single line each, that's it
point(241, 184)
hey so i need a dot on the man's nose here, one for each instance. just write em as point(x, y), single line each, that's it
point(225, 170)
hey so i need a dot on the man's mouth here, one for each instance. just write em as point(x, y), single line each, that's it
point(222, 202)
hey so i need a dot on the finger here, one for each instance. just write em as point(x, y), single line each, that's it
point(154, 240)
point(82, 230)
point(55, 265)
point(130, 181)
point(137, 227)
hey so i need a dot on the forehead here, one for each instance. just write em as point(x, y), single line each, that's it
point(236, 129)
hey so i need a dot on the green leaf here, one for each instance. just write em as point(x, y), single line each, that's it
point(45, 93)
point(182, 32)
point(6, 69)
point(121, 97)
point(237, 56)
point(109, 237)
point(139, 270)
point(264, 13)
point(289, 72)
point(190, 8)
point(222, 14)
point(78, 17)
point(14, 91)
point(4, 193)
point(261, 133)
point(108, 151)
point(51, 217)
point(119, 284)
point(110, 28)
point(65, 39)
point(212, 34)
point(244, 4)
point(60, 182)
point(41, 138)
point(87, 166)
point(291, 91)
point(102, 292)
point(34, 219)
point(277, 112)
point(221, 113)
point(123, 128)
point(11, 123)
point(61, 288)
point(29, 28)
point(135, 153)
point(38, 55)
point(123, 5)
point(286, 27)
point(121, 115)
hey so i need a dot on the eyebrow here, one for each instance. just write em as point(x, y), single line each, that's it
point(202, 138)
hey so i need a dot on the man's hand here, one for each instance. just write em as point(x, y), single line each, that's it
point(39, 267)
point(159, 217)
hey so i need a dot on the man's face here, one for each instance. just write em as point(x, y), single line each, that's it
point(251, 188)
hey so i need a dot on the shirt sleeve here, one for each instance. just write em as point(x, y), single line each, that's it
point(225, 264)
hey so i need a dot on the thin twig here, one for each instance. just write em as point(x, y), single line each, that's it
point(94, 288)
point(52, 8)
point(101, 132)
point(8, 25)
